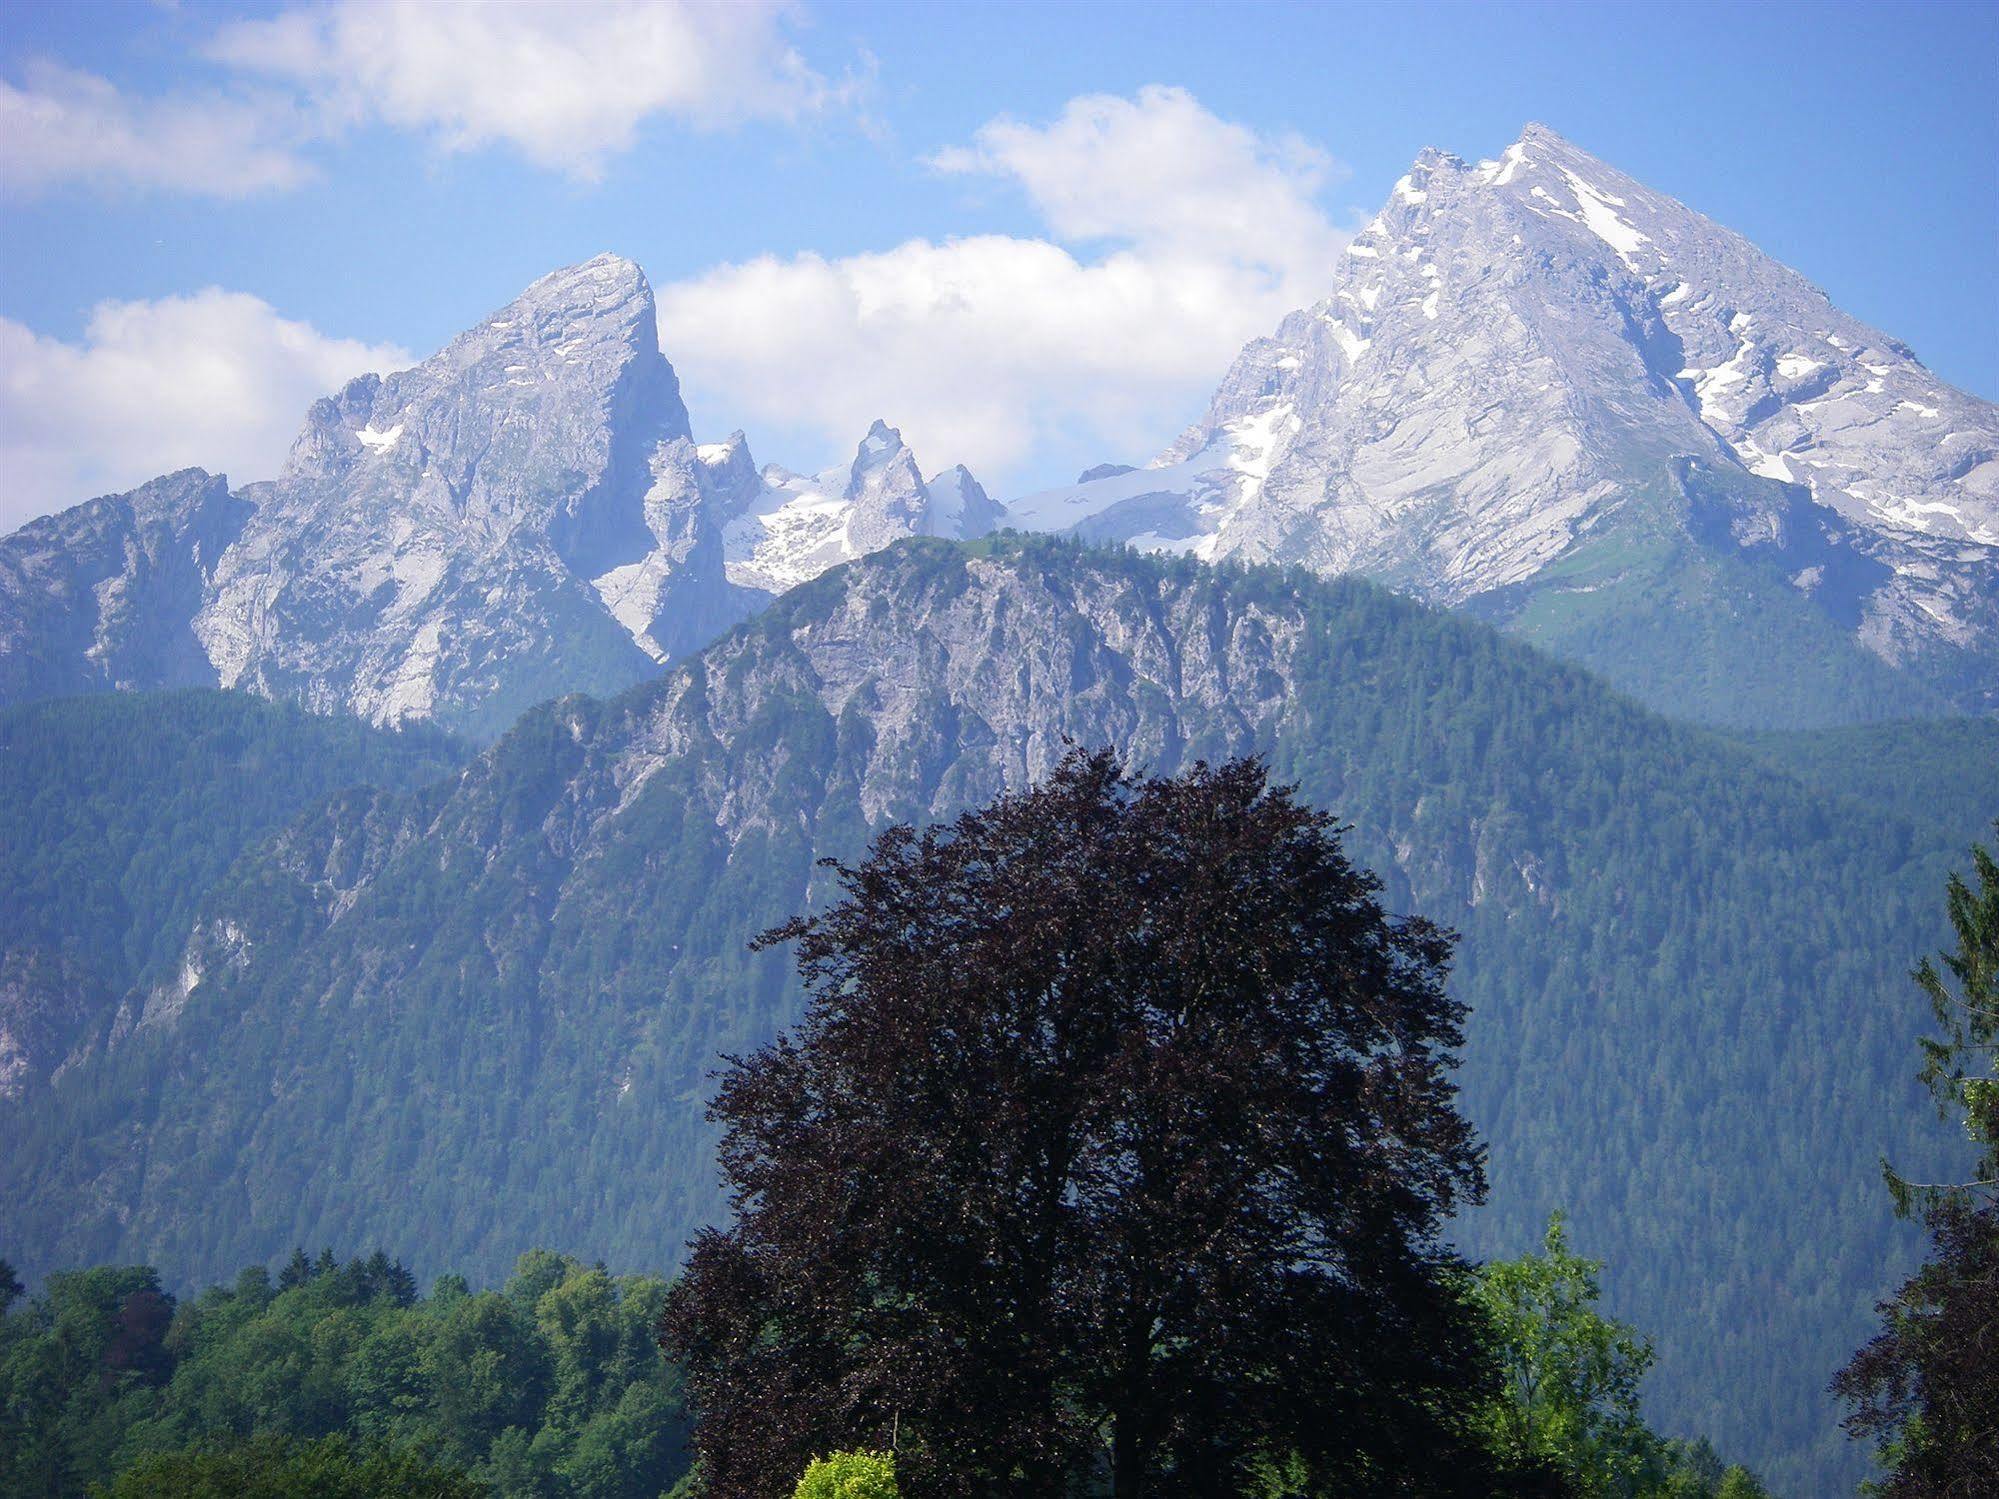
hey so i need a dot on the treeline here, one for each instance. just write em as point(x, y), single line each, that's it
point(334, 1378)
point(338, 1379)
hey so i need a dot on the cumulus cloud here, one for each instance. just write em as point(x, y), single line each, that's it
point(1174, 237)
point(566, 82)
point(60, 125)
point(1162, 172)
point(215, 380)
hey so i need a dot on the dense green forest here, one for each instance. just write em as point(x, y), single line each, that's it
point(119, 812)
point(551, 1386)
point(1934, 773)
point(1685, 962)
point(338, 1380)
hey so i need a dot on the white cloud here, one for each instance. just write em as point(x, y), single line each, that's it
point(62, 125)
point(566, 82)
point(1162, 172)
point(1016, 354)
point(1174, 237)
point(216, 380)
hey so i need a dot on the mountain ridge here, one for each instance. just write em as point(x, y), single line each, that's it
point(1512, 353)
point(1536, 390)
point(524, 513)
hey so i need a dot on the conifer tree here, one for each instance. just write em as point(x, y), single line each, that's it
point(1925, 1390)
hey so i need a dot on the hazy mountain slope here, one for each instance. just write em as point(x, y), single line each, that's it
point(484, 1016)
point(1941, 772)
point(525, 513)
point(118, 813)
point(1660, 603)
point(1501, 401)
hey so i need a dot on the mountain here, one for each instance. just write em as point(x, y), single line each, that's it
point(1537, 391)
point(1541, 391)
point(119, 812)
point(785, 528)
point(525, 513)
point(484, 1014)
point(104, 595)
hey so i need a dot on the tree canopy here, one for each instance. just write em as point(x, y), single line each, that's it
point(1568, 1407)
point(1113, 1147)
point(337, 1377)
point(850, 1475)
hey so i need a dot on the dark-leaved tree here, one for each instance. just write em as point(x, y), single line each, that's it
point(1110, 1154)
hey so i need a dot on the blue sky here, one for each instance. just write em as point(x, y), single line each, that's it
point(1032, 235)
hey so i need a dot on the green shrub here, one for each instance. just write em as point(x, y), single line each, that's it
point(850, 1475)
point(276, 1467)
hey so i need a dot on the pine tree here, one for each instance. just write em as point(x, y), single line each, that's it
point(1926, 1388)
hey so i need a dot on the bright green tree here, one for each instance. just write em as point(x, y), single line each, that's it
point(552, 1388)
point(284, 1468)
point(1572, 1374)
point(1570, 1399)
point(850, 1475)
point(1694, 1470)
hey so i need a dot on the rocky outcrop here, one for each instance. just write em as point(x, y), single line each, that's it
point(105, 595)
point(48, 1006)
point(785, 528)
point(525, 513)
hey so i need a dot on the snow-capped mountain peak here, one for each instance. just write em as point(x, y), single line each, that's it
point(798, 525)
point(1512, 350)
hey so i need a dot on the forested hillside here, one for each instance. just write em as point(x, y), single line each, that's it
point(505, 997)
point(118, 813)
point(1942, 773)
point(550, 1386)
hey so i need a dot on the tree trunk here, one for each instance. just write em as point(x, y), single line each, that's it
point(1127, 1459)
point(1131, 1433)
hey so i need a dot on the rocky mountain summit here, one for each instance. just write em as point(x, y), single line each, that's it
point(1537, 391)
point(525, 513)
point(1541, 390)
point(784, 528)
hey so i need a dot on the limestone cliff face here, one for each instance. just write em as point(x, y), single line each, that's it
point(1534, 375)
point(105, 595)
point(525, 513)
